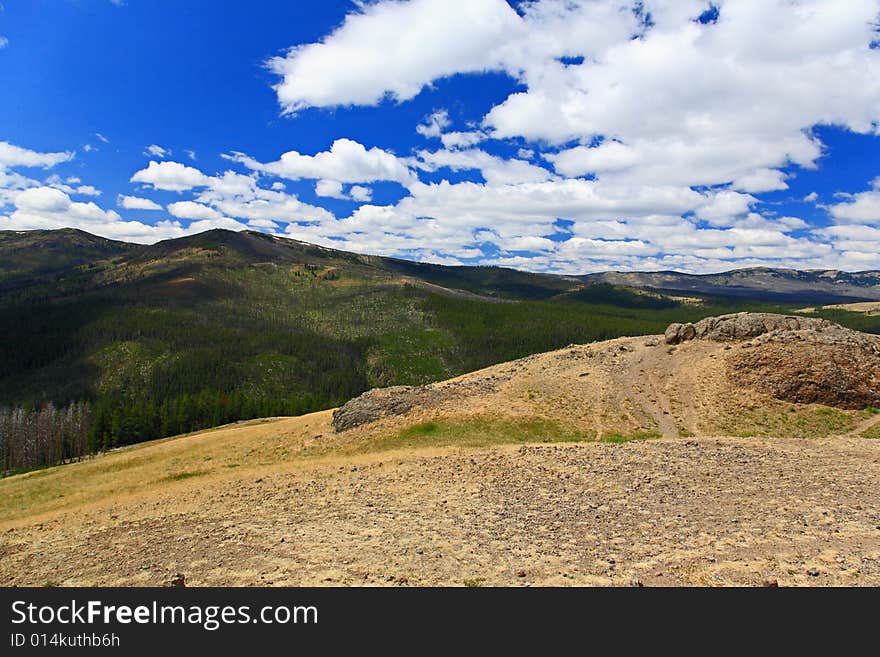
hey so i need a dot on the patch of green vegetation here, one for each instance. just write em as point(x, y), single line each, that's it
point(473, 583)
point(479, 432)
point(858, 321)
point(789, 421)
point(684, 432)
point(617, 438)
point(411, 356)
point(180, 476)
point(872, 433)
point(872, 410)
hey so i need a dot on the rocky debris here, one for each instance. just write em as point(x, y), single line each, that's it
point(741, 326)
point(383, 402)
point(178, 581)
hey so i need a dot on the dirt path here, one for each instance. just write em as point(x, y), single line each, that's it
point(644, 378)
point(864, 426)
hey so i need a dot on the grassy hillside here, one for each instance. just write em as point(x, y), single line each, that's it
point(195, 332)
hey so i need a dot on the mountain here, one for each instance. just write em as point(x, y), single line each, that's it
point(777, 285)
point(106, 344)
point(29, 256)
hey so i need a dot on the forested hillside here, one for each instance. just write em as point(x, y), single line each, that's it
point(107, 344)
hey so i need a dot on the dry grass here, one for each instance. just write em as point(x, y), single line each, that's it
point(151, 466)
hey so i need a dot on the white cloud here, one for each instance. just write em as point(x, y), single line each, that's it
point(102, 138)
point(761, 180)
point(48, 205)
point(864, 208)
point(724, 207)
point(71, 186)
point(191, 154)
point(360, 193)
point(334, 189)
point(811, 197)
point(3, 42)
point(495, 170)
point(410, 43)
point(329, 189)
point(347, 161)
point(87, 190)
point(434, 124)
point(191, 210)
point(170, 176)
point(684, 104)
point(137, 203)
point(154, 150)
point(88, 148)
point(15, 156)
point(462, 139)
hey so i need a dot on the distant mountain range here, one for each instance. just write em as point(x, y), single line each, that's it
point(33, 257)
point(755, 283)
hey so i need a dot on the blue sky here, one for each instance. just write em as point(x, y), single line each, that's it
point(550, 136)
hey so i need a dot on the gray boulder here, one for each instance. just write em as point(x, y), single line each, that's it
point(741, 326)
point(382, 402)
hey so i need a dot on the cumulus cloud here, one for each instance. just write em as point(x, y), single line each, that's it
point(27, 203)
point(334, 189)
point(495, 170)
point(412, 43)
point(329, 189)
point(15, 156)
point(861, 208)
point(659, 127)
point(360, 193)
point(347, 161)
point(170, 176)
point(137, 203)
point(3, 42)
point(192, 210)
point(71, 186)
point(48, 207)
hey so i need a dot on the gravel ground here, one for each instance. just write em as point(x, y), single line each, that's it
point(726, 511)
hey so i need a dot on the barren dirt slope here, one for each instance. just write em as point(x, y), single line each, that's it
point(428, 486)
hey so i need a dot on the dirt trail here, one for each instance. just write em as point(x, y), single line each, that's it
point(644, 377)
point(864, 426)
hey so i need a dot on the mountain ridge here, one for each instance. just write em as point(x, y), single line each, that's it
point(766, 283)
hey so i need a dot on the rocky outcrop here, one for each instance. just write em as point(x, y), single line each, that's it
point(802, 360)
point(382, 402)
point(741, 326)
point(833, 366)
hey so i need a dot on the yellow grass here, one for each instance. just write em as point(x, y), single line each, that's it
point(142, 468)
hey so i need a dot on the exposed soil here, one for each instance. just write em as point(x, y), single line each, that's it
point(695, 512)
